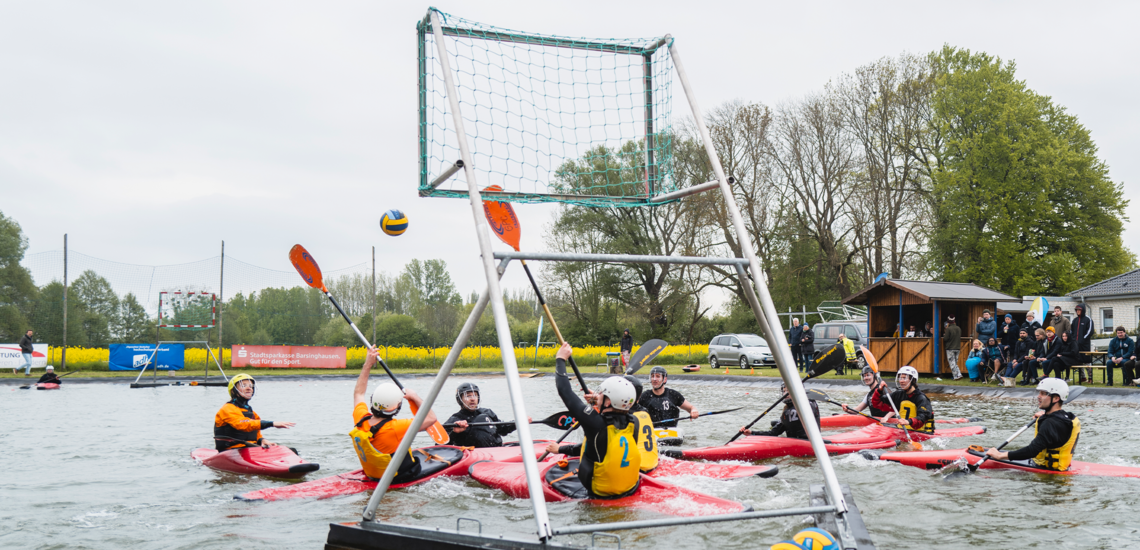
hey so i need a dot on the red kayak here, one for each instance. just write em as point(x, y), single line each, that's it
point(441, 460)
point(760, 447)
point(857, 420)
point(651, 495)
point(669, 467)
point(877, 432)
point(276, 461)
point(936, 460)
point(47, 386)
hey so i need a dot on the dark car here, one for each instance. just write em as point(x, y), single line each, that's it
point(827, 334)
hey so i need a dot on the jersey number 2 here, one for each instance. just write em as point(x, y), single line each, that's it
point(625, 451)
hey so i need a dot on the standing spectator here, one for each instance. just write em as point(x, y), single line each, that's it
point(986, 327)
point(26, 349)
point(1082, 336)
point(626, 348)
point(1122, 355)
point(1031, 325)
point(1067, 355)
point(807, 346)
point(1057, 321)
point(1007, 336)
point(952, 343)
point(794, 335)
point(1021, 360)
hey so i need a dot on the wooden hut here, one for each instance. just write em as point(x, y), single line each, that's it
point(896, 305)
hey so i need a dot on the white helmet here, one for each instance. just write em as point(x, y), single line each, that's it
point(1054, 386)
point(621, 393)
point(909, 371)
point(386, 399)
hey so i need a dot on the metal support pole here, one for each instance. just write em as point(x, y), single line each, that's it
point(483, 232)
point(374, 296)
point(777, 341)
point(668, 522)
point(429, 400)
point(63, 354)
point(221, 289)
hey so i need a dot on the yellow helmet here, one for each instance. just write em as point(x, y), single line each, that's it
point(233, 384)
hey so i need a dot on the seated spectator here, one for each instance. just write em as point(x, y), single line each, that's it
point(975, 360)
point(1046, 351)
point(1067, 355)
point(911, 333)
point(994, 357)
point(1122, 355)
point(928, 330)
point(1020, 358)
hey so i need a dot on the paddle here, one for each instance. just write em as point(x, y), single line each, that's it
point(823, 365)
point(645, 354)
point(666, 421)
point(559, 440)
point(557, 420)
point(505, 225)
point(828, 399)
point(1074, 393)
point(307, 267)
point(874, 364)
point(57, 376)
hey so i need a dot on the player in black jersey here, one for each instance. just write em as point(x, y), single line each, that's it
point(664, 403)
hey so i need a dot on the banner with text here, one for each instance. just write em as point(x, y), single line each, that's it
point(137, 356)
point(289, 357)
point(10, 356)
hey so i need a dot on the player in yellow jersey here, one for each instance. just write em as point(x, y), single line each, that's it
point(1056, 432)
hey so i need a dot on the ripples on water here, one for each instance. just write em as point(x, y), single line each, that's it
point(103, 466)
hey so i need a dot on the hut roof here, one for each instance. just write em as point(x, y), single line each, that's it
point(934, 290)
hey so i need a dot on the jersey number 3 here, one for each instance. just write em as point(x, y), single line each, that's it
point(647, 431)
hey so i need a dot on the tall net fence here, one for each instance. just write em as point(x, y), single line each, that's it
point(548, 118)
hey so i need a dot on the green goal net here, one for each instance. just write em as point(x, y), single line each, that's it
point(547, 118)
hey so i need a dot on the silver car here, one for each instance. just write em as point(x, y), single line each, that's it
point(744, 350)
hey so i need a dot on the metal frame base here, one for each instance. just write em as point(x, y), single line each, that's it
point(369, 535)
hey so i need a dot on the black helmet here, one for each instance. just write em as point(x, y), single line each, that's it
point(659, 370)
point(464, 388)
point(636, 386)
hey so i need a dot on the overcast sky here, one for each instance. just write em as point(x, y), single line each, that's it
point(150, 131)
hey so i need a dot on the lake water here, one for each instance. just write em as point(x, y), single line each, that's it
point(102, 466)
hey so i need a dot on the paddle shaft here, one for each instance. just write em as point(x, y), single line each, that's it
point(738, 434)
point(678, 419)
point(559, 440)
point(553, 323)
point(887, 394)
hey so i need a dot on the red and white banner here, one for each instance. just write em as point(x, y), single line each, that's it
point(10, 356)
point(289, 357)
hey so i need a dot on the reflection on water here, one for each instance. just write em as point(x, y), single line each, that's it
point(104, 466)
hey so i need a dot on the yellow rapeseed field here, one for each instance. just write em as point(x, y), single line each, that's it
point(412, 357)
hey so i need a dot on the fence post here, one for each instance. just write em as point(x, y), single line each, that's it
point(63, 357)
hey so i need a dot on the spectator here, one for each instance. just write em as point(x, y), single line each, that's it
point(911, 333)
point(987, 327)
point(1047, 350)
point(849, 354)
point(26, 349)
point(626, 348)
point(1007, 336)
point(952, 343)
point(975, 360)
point(1122, 355)
point(994, 357)
point(1082, 336)
point(1067, 355)
point(807, 346)
point(1057, 321)
point(1021, 360)
point(928, 330)
point(794, 335)
point(898, 328)
point(1031, 325)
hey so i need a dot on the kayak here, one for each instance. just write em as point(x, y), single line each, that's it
point(47, 386)
point(276, 461)
point(760, 447)
point(877, 432)
point(936, 460)
point(670, 437)
point(670, 467)
point(560, 485)
point(857, 420)
point(441, 460)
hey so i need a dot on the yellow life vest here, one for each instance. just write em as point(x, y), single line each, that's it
point(648, 441)
point(372, 461)
point(849, 349)
point(620, 471)
point(907, 411)
point(1058, 459)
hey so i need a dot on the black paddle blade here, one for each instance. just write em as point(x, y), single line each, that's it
point(816, 395)
point(671, 453)
point(645, 354)
point(827, 361)
point(559, 420)
point(873, 454)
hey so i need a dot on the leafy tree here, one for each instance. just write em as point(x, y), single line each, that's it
point(100, 305)
point(400, 330)
point(48, 314)
point(17, 291)
point(131, 324)
point(1022, 203)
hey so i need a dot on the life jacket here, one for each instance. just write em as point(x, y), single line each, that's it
point(849, 349)
point(648, 441)
point(620, 471)
point(1059, 459)
point(372, 461)
point(227, 423)
point(908, 410)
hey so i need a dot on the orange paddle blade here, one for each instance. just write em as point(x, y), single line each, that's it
point(870, 359)
point(504, 222)
point(307, 267)
point(436, 431)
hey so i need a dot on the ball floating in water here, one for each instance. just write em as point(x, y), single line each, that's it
point(394, 223)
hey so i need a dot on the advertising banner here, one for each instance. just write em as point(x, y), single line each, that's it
point(136, 356)
point(289, 357)
point(10, 356)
